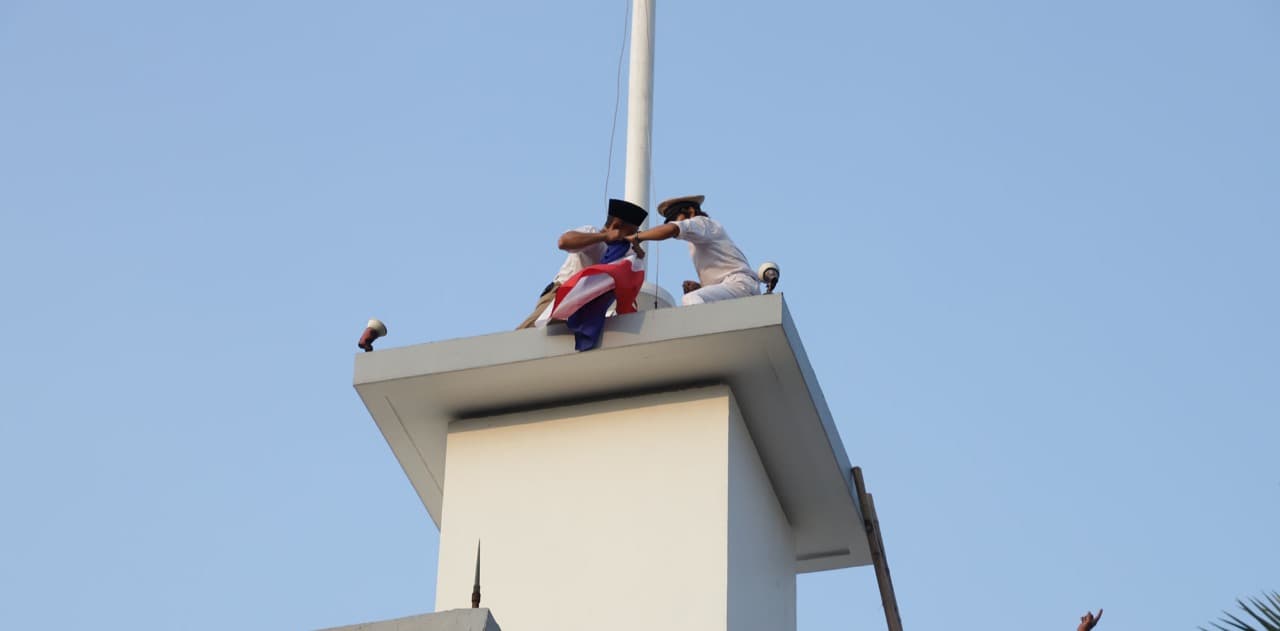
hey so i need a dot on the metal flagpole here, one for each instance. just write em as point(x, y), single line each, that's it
point(640, 105)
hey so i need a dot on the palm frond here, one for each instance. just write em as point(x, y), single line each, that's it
point(1265, 612)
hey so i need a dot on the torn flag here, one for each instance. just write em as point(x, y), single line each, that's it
point(583, 299)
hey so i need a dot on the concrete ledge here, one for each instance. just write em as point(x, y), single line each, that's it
point(749, 344)
point(452, 620)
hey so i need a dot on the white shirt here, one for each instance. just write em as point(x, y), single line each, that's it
point(714, 254)
point(579, 259)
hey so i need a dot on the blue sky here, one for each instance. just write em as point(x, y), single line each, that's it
point(1031, 247)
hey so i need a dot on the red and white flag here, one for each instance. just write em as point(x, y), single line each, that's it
point(623, 276)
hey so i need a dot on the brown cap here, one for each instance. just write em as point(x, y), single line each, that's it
point(677, 203)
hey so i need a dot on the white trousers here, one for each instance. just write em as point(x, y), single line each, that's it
point(735, 286)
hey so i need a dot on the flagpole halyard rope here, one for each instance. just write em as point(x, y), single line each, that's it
point(657, 261)
point(617, 95)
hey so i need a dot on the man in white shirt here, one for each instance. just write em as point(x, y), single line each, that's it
point(723, 271)
point(586, 245)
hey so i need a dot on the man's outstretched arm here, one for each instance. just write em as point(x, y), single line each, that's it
point(572, 241)
point(661, 233)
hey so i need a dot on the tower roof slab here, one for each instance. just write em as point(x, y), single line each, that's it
point(750, 344)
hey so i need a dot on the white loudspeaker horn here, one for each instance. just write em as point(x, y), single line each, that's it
point(769, 273)
point(374, 330)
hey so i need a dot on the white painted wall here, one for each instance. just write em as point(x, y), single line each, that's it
point(623, 513)
point(762, 553)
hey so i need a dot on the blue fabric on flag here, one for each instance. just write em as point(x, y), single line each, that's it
point(587, 323)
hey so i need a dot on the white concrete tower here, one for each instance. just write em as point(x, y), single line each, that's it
point(676, 478)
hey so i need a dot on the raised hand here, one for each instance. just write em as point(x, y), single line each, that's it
point(1088, 620)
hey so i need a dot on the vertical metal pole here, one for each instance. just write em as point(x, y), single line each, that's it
point(475, 590)
point(640, 104)
point(871, 523)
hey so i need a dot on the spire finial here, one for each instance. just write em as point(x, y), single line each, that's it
point(475, 591)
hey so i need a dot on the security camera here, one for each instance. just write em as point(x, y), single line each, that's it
point(769, 273)
point(374, 330)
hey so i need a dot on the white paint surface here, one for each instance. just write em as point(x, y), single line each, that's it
point(762, 554)
point(647, 513)
point(416, 393)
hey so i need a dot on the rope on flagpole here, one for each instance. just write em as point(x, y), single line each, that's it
point(617, 95)
point(657, 260)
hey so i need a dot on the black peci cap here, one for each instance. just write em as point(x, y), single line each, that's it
point(627, 211)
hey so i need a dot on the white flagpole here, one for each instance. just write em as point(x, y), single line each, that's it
point(640, 132)
point(640, 105)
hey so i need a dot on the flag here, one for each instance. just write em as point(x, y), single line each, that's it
point(583, 299)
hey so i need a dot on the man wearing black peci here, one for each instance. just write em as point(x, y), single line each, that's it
point(585, 246)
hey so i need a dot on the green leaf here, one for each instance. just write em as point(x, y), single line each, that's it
point(1264, 611)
